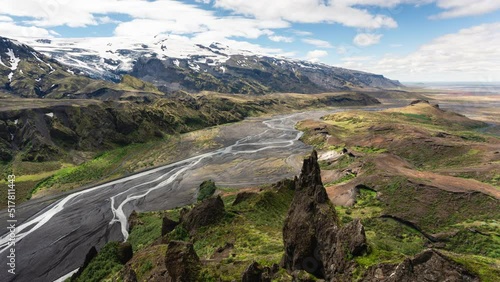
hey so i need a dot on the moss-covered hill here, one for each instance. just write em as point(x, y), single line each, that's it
point(404, 206)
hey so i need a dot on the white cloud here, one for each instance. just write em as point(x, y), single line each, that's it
point(366, 39)
point(317, 42)
point(5, 19)
point(472, 54)
point(315, 55)
point(357, 59)
point(107, 20)
point(463, 8)
point(10, 29)
point(301, 32)
point(344, 12)
point(279, 38)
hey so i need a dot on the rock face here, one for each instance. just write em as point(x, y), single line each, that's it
point(207, 212)
point(313, 240)
point(182, 262)
point(429, 265)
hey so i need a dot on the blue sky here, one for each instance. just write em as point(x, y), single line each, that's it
point(409, 40)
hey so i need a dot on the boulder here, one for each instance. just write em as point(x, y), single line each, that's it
point(254, 273)
point(257, 273)
point(168, 225)
point(428, 265)
point(352, 235)
point(182, 262)
point(207, 212)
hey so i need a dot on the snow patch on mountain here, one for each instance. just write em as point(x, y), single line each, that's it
point(108, 57)
point(14, 62)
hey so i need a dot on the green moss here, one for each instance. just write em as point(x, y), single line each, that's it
point(144, 234)
point(418, 117)
point(341, 163)
point(470, 241)
point(254, 228)
point(343, 179)
point(206, 190)
point(103, 265)
point(369, 150)
point(487, 269)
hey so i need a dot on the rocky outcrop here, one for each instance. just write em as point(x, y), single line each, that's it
point(257, 273)
point(168, 225)
point(429, 265)
point(207, 212)
point(314, 241)
point(182, 262)
point(133, 220)
point(355, 231)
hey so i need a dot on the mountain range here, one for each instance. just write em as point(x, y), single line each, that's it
point(61, 68)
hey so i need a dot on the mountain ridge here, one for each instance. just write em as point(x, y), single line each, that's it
point(173, 64)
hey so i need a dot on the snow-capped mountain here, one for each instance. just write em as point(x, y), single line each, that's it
point(24, 72)
point(174, 63)
point(103, 57)
point(27, 73)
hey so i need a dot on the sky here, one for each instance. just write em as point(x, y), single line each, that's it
point(408, 40)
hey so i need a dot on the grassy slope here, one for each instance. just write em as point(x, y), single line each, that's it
point(253, 227)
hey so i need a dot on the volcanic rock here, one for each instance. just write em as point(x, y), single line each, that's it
point(313, 239)
point(254, 273)
point(207, 212)
point(168, 225)
point(182, 262)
